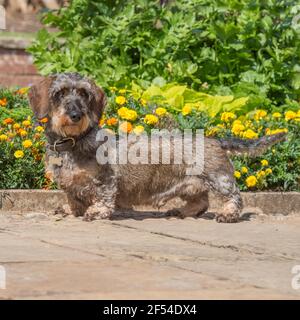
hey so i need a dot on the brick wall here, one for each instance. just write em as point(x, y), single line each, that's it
point(16, 66)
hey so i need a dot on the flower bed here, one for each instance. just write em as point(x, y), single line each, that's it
point(22, 142)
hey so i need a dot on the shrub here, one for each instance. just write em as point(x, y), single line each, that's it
point(240, 46)
point(22, 144)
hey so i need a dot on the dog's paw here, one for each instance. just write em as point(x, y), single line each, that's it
point(97, 212)
point(175, 213)
point(228, 218)
point(63, 211)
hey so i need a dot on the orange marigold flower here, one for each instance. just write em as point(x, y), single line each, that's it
point(8, 121)
point(125, 127)
point(3, 102)
point(44, 120)
point(112, 121)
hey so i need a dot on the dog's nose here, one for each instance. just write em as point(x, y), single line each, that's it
point(75, 116)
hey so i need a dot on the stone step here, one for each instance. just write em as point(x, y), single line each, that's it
point(45, 201)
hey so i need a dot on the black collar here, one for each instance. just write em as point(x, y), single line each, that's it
point(68, 143)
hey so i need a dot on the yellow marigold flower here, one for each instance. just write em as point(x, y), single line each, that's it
point(237, 174)
point(122, 91)
point(112, 121)
point(102, 121)
point(16, 126)
point(227, 116)
point(120, 100)
point(3, 102)
point(276, 115)
point(22, 132)
point(8, 121)
point(127, 114)
point(213, 131)
point(264, 163)
point(244, 170)
point(113, 89)
point(19, 154)
point(27, 144)
point(26, 123)
point(259, 114)
point(3, 137)
point(250, 134)
point(238, 121)
point(39, 129)
point(290, 115)
point(11, 134)
point(150, 119)
point(270, 132)
point(138, 129)
point(44, 120)
point(125, 127)
point(251, 181)
point(260, 174)
point(22, 90)
point(160, 111)
point(143, 102)
point(237, 128)
point(186, 110)
point(269, 171)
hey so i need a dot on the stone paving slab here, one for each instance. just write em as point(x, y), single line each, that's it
point(148, 257)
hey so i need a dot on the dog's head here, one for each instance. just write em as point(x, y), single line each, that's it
point(72, 103)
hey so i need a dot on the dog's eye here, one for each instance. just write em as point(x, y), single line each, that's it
point(83, 93)
point(61, 93)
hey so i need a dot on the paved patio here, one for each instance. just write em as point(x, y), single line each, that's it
point(148, 257)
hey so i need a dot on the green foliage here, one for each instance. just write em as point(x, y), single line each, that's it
point(178, 96)
point(236, 46)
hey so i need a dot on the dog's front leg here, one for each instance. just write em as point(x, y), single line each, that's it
point(74, 207)
point(98, 211)
point(103, 206)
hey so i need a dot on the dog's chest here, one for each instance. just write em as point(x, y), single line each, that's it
point(68, 170)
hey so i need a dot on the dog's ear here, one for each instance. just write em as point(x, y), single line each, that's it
point(39, 97)
point(98, 101)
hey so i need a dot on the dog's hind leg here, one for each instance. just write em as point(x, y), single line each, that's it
point(188, 188)
point(193, 191)
point(195, 206)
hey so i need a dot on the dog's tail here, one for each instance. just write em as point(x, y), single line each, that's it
point(251, 147)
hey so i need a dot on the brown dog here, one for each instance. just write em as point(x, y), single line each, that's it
point(74, 105)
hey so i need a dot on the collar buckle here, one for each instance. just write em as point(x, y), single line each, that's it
point(60, 142)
